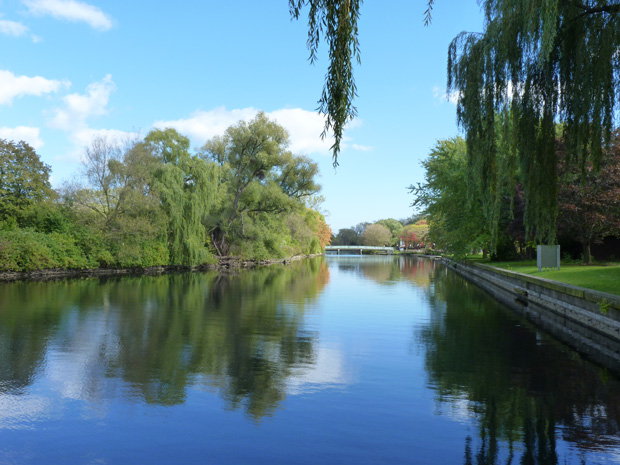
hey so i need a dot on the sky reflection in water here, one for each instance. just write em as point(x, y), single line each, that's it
point(332, 360)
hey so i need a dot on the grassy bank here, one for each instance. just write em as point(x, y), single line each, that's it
point(600, 277)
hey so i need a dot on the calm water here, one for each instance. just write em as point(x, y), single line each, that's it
point(337, 360)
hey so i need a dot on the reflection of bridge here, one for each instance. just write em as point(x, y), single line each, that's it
point(357, 248)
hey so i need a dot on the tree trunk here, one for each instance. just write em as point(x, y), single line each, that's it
point(587, 255)
point(529, 253)
point(485, 253)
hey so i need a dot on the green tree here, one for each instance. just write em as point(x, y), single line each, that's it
point(109, 179)
point(261, 182)
point(394, 226)
point(346, 236)
point(24, 179)
point(249, 151)
point(337, 20)
point(360, 227)
point(297, 177)
point(456, 224)
point(538, 62)
point(187, 187)
point(118, 204)
point(377, 235)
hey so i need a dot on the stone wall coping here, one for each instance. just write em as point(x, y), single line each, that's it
point(569, 289)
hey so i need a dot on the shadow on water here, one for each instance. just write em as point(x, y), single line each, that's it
point(523, 389)
point(238, 334)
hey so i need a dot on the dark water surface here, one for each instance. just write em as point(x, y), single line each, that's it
point(337, 360)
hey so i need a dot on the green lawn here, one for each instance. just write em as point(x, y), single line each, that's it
point(605, 278)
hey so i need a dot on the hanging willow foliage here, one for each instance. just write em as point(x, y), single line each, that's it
point(538, 63)
point(187, 192)
point(187, 186)
point(337, 20)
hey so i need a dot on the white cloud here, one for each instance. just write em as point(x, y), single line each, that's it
point(79, 107)
point(73, 117)
point(12, 86)
point(12, 28)
point(84, 137)
point(15, 29)
point(25, 133)
point(439, 94)
point(71, 10)
point(304, 126)
point(204, 125)
point(363, 148)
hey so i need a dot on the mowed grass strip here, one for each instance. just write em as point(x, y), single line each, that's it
point(604, 278)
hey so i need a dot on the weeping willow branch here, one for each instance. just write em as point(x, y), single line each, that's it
point(539, 63)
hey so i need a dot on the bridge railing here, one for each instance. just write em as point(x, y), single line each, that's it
point(360, 248)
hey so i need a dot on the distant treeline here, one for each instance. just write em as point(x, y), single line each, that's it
point(409, 232)
point(484, 207)
point(150, 202)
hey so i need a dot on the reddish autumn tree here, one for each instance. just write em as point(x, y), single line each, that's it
point(414, 234)
point(410, 239)
point(589, 198)
point(324, 233)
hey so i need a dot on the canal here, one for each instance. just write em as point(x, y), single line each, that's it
point(333, 360)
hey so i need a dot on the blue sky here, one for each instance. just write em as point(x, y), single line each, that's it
point(72, 70)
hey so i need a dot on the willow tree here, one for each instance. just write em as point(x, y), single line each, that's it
point(186, 186)
point(537, 63)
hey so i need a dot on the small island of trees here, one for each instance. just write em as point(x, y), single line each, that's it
point(153, 202)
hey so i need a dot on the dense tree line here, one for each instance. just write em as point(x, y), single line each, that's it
point(466, 217)
point(387, 232)
point(151, 201)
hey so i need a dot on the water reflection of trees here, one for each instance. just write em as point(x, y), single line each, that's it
point(240, 334)
point(523, 389)
point(387, 269)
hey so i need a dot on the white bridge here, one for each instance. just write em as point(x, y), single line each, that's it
point(338, 249)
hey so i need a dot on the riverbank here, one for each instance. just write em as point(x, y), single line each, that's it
point(223, 265)
point(598, 277)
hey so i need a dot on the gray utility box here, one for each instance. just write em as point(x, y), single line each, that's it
point(548, 256)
